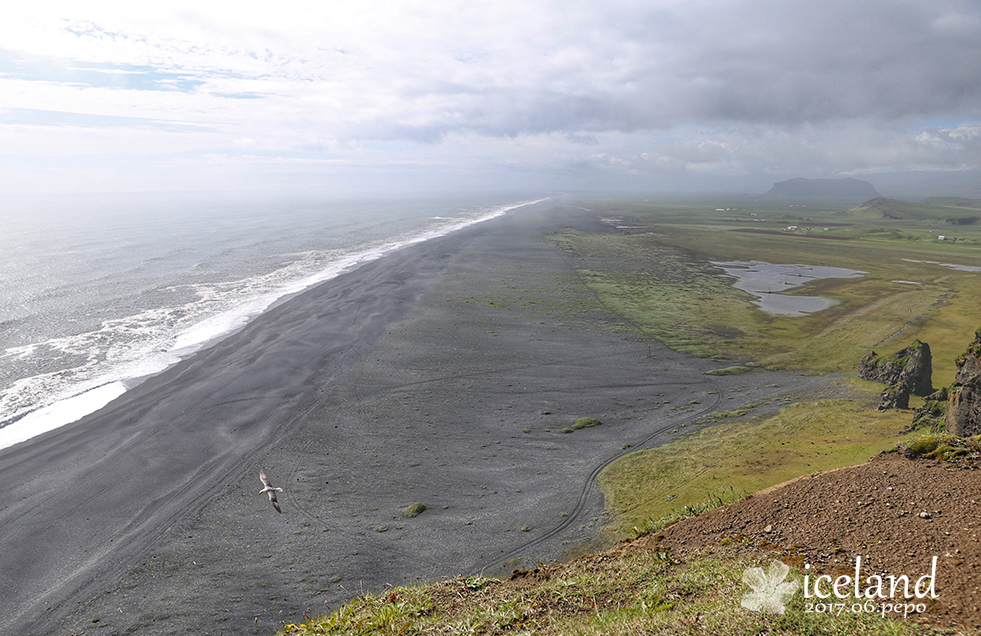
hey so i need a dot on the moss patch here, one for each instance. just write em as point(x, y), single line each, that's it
point(414, 510)
point(586, 422)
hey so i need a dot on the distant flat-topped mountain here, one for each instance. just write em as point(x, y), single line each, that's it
point(839, 190)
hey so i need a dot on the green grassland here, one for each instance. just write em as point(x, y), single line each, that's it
point(727, 462)
point(656, 271)
point(651, 266)
point(623, 592)
point(933, 209)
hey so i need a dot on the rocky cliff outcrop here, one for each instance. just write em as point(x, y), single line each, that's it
point(894, 397)
point(963, 414)
point(932, 413)
point(909, 371)
point(969, 362)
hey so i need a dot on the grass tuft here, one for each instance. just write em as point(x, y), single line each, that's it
point(923, 445)
point(414, 510)
point(586, 422)
point(684, 512)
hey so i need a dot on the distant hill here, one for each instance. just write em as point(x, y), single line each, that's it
point(838, 190)
point(953, 210)
point(954, 202)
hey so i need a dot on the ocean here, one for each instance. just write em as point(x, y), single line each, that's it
point(99, 292)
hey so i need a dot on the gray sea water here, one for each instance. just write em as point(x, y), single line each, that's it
point(98, 292)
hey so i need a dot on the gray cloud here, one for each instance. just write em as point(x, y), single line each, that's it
point(664, 89)
point(773, 62)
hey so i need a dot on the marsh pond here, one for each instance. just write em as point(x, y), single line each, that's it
point(768, 281)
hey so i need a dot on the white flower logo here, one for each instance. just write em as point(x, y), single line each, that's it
point(770, 591)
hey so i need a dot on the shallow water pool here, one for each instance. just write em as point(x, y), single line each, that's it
point(767, 281)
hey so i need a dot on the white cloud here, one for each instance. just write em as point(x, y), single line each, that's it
point(734, 87)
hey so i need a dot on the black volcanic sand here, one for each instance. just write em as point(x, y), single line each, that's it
point(442, 374)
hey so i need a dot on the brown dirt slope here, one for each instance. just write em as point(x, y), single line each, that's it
point(897, 513)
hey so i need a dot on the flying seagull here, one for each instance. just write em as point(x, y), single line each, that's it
point(269, 490)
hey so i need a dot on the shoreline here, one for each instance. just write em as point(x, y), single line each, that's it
point(410, 379)
point(215, 328)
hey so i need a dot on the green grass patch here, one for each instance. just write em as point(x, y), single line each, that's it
point(924, 445)
point(414, 510)
point(586, 422)
point(659, 278)
point(654, 524)
point(626, 592)
point(735, 459)
point(948, 448)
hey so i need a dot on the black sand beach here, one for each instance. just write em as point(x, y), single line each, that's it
point(411, 379)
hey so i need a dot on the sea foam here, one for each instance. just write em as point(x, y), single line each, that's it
point(123, 352)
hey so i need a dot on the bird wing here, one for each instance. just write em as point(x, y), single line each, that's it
point(275, 503)
point(269, 490)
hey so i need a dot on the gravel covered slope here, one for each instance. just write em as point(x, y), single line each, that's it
point(897, 513)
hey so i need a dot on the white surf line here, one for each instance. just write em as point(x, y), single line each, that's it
point(209, 331)
point(59, 414)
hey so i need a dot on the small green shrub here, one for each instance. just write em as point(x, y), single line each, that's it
point(948, 453)
point(948, 448)
point(474, 582)
point(586, 422)
point(923, 445)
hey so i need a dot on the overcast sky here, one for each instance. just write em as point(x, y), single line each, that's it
point(343, 96)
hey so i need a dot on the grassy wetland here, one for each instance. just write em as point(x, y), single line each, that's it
point(650, 263)
point(655, 268)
